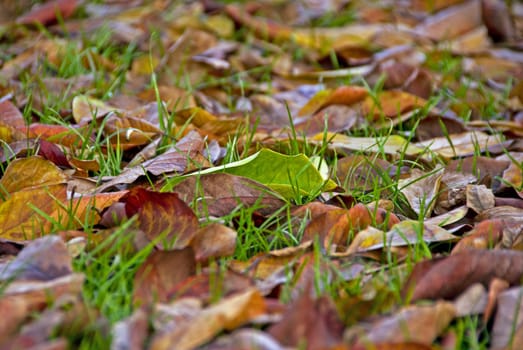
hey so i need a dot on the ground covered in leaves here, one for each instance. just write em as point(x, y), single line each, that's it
point(261, 174)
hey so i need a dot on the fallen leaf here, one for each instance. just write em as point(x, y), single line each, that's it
point(314, 322)
point(21, 216)
point(29, 173)
point(47, 13)
point(421, 189)
point(485, 235)
point(213, 241)
point(452, 21)
point(404, 233)
point(43, 259)
point(228, 314)
point(160, 273)
point(448, 277)
point(508, 320)
point(287, 175)
point(163, 217)
point(390, 104)
point(418, 324)
point(220, 194)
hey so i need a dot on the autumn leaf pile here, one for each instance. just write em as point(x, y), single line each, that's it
point(261, 174)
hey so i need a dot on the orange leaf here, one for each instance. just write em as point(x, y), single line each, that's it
point(391, 104)
point(344, 95)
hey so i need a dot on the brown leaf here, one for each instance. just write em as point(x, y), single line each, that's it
point(213, 241)
point(448, 277)
point(163, 217)
point(390, 104)
point(43, 259)
point(12, 125)
point(160, 273)
point(179, 158)
point(508, 319)
point(245, 339)
point(53, 153)
point(496, 16)
point(357, 172)
point(485, 235)
point(402, 234)
point(47, 13)
point(421, 188)
point(228, 314)
point(344, 95)
point(131, 332)
point(59, 134)
point(205, 285)
point(314, 321)
point(334, 118)
point(480, 198)
point(497, 286)
point(21, 298)
point(221, 193)
point(452, 22)
point(418, 324)
point(430, 126)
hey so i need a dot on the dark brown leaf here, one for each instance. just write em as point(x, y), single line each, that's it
point(448, 277)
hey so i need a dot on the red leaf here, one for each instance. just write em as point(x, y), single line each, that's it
point(47, 13)
point(162, 214)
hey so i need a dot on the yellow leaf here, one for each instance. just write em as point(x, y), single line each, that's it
point(31, 172)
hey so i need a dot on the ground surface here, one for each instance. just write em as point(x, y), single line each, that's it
point(261, 174)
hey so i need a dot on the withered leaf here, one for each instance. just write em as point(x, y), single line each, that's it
point(315, 321)
point(160, 273)
point(448, 277)
point(220, 194)
point(418, 324)
point(43, 259)
point(163, 217)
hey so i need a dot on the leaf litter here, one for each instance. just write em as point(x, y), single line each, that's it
point(261, 175)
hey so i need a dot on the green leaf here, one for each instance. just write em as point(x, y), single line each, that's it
point(287, 175)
